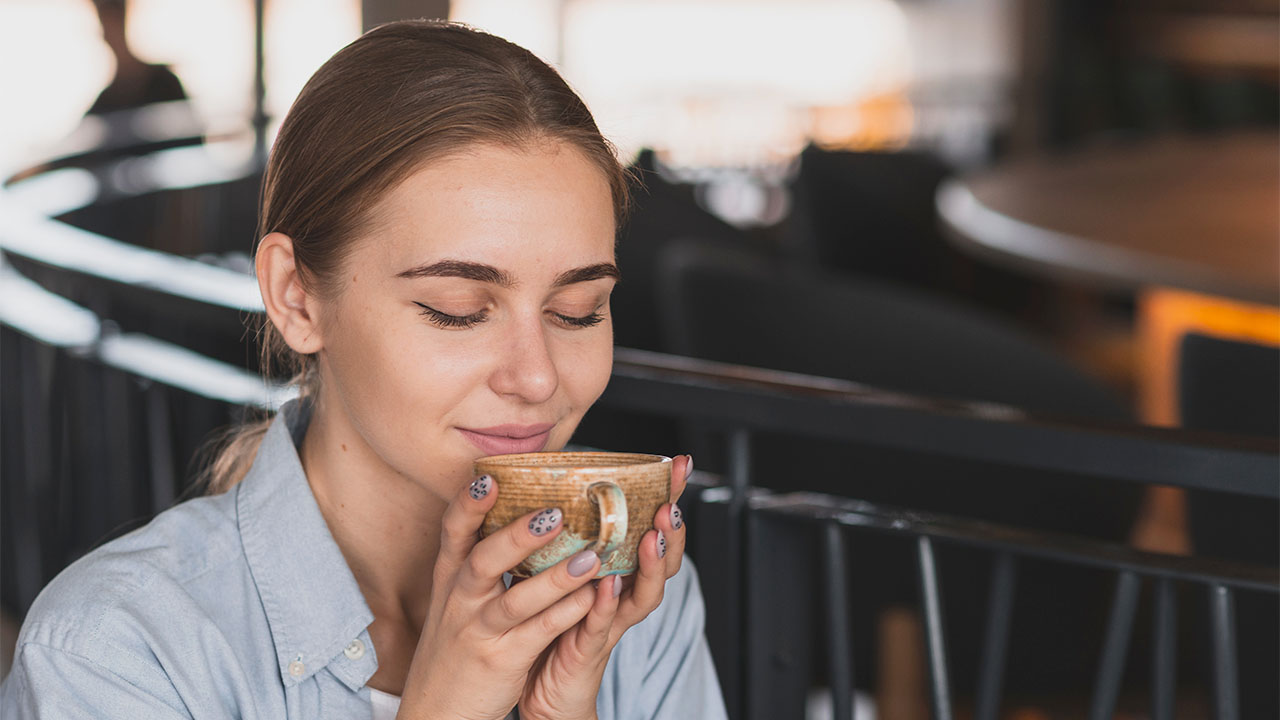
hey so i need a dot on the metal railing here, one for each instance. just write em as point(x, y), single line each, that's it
point(757, 543)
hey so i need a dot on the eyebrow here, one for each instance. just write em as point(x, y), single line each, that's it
point(490, 274)
point(588, 273)
point(458, 268)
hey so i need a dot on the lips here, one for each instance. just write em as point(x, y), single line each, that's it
point(503, 439)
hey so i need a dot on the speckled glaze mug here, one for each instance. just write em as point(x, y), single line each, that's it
point(608, 501)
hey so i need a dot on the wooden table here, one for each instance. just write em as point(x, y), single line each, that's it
point(1197, 213)
point(1189, 225)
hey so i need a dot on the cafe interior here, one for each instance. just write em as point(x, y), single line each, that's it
point(969, 311)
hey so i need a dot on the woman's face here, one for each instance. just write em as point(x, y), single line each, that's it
point(473, 318)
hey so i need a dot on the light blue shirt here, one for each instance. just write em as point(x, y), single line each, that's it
point(241, 605)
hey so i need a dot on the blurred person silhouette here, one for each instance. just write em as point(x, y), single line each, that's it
point(123, 123)
point(136, 83)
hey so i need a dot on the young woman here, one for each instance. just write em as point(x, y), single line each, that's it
point(436, 258)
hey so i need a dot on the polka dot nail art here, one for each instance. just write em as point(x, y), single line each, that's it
point(677, 518)
point(662, 545)
point(545, 521)
point(480, 487)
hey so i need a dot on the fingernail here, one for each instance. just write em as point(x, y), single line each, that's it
point(688, 468)
point(581, 563)
point(481, 487)
point(677, 518)
point(662, 545)
point(545, 521)
point(617, 585)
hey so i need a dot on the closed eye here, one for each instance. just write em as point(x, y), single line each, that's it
point(445, 320)
point(580, 322)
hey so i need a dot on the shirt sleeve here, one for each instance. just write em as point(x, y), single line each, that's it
point(679, 678)
point(52, 684)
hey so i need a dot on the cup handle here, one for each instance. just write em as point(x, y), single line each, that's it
point(613, 516)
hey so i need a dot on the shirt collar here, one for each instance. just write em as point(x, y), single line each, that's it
point(313, 604)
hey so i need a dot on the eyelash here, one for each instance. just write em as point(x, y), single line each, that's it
point(446, 320)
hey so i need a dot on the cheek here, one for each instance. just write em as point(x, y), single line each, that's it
point(424, 376)
point(586, 369)
point(396, 379)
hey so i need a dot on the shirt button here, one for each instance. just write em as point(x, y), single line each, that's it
point(297, 669)
point(355, 650)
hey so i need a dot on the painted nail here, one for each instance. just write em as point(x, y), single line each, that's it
point(662, 545)
point(545, 521)
point(481, 487)
point(617, 585)
point(688, 467)
point(677, 518)
point(582, 562)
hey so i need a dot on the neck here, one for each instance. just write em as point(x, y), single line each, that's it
point(387, 526)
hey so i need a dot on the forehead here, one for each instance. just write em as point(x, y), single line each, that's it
point(515, 208)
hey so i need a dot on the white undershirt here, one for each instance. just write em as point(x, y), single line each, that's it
point(385, 705)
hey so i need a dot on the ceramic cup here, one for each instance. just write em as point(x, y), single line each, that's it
point(608, 500)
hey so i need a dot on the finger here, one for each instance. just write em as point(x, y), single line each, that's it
point(681, 469)
point(670, 521)
point(523, 601)
point(542, 629)
point(591, 636)
point(503, 550)
point(460, 526)
point(650, 580)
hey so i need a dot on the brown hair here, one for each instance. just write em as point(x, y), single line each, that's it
point(399, 96)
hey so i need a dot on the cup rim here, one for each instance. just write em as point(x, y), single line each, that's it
point(505, 461)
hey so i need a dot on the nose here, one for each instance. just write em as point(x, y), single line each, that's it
point(526, 370)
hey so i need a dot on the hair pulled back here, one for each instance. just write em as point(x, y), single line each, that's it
point(396, 98)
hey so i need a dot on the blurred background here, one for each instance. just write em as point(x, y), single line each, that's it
point(1064, 208)
point(771, 121)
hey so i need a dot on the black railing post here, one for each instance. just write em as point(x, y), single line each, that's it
point(839, 643)
point(931, 596)
point(736, 557)
point(37, 476)
point(1115, 645)
point(1164, 658)
point(996, 642)
point(782, 580)
point(1226, 676)
point(259, 85)
point(162, 474)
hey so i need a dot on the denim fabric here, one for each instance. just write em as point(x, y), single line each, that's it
point(241, 605)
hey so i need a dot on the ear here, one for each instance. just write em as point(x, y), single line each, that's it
point(291, 309)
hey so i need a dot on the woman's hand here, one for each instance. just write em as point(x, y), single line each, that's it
point(564, 683)
point(481, 640)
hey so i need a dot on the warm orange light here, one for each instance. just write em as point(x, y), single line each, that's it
point(1165, 316)
point(878, 122)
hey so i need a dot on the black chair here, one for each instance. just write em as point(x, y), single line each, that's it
point(874, 214)
point(737, 308)
point(661, 211)
point(871, 213)
point(1230, 386)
